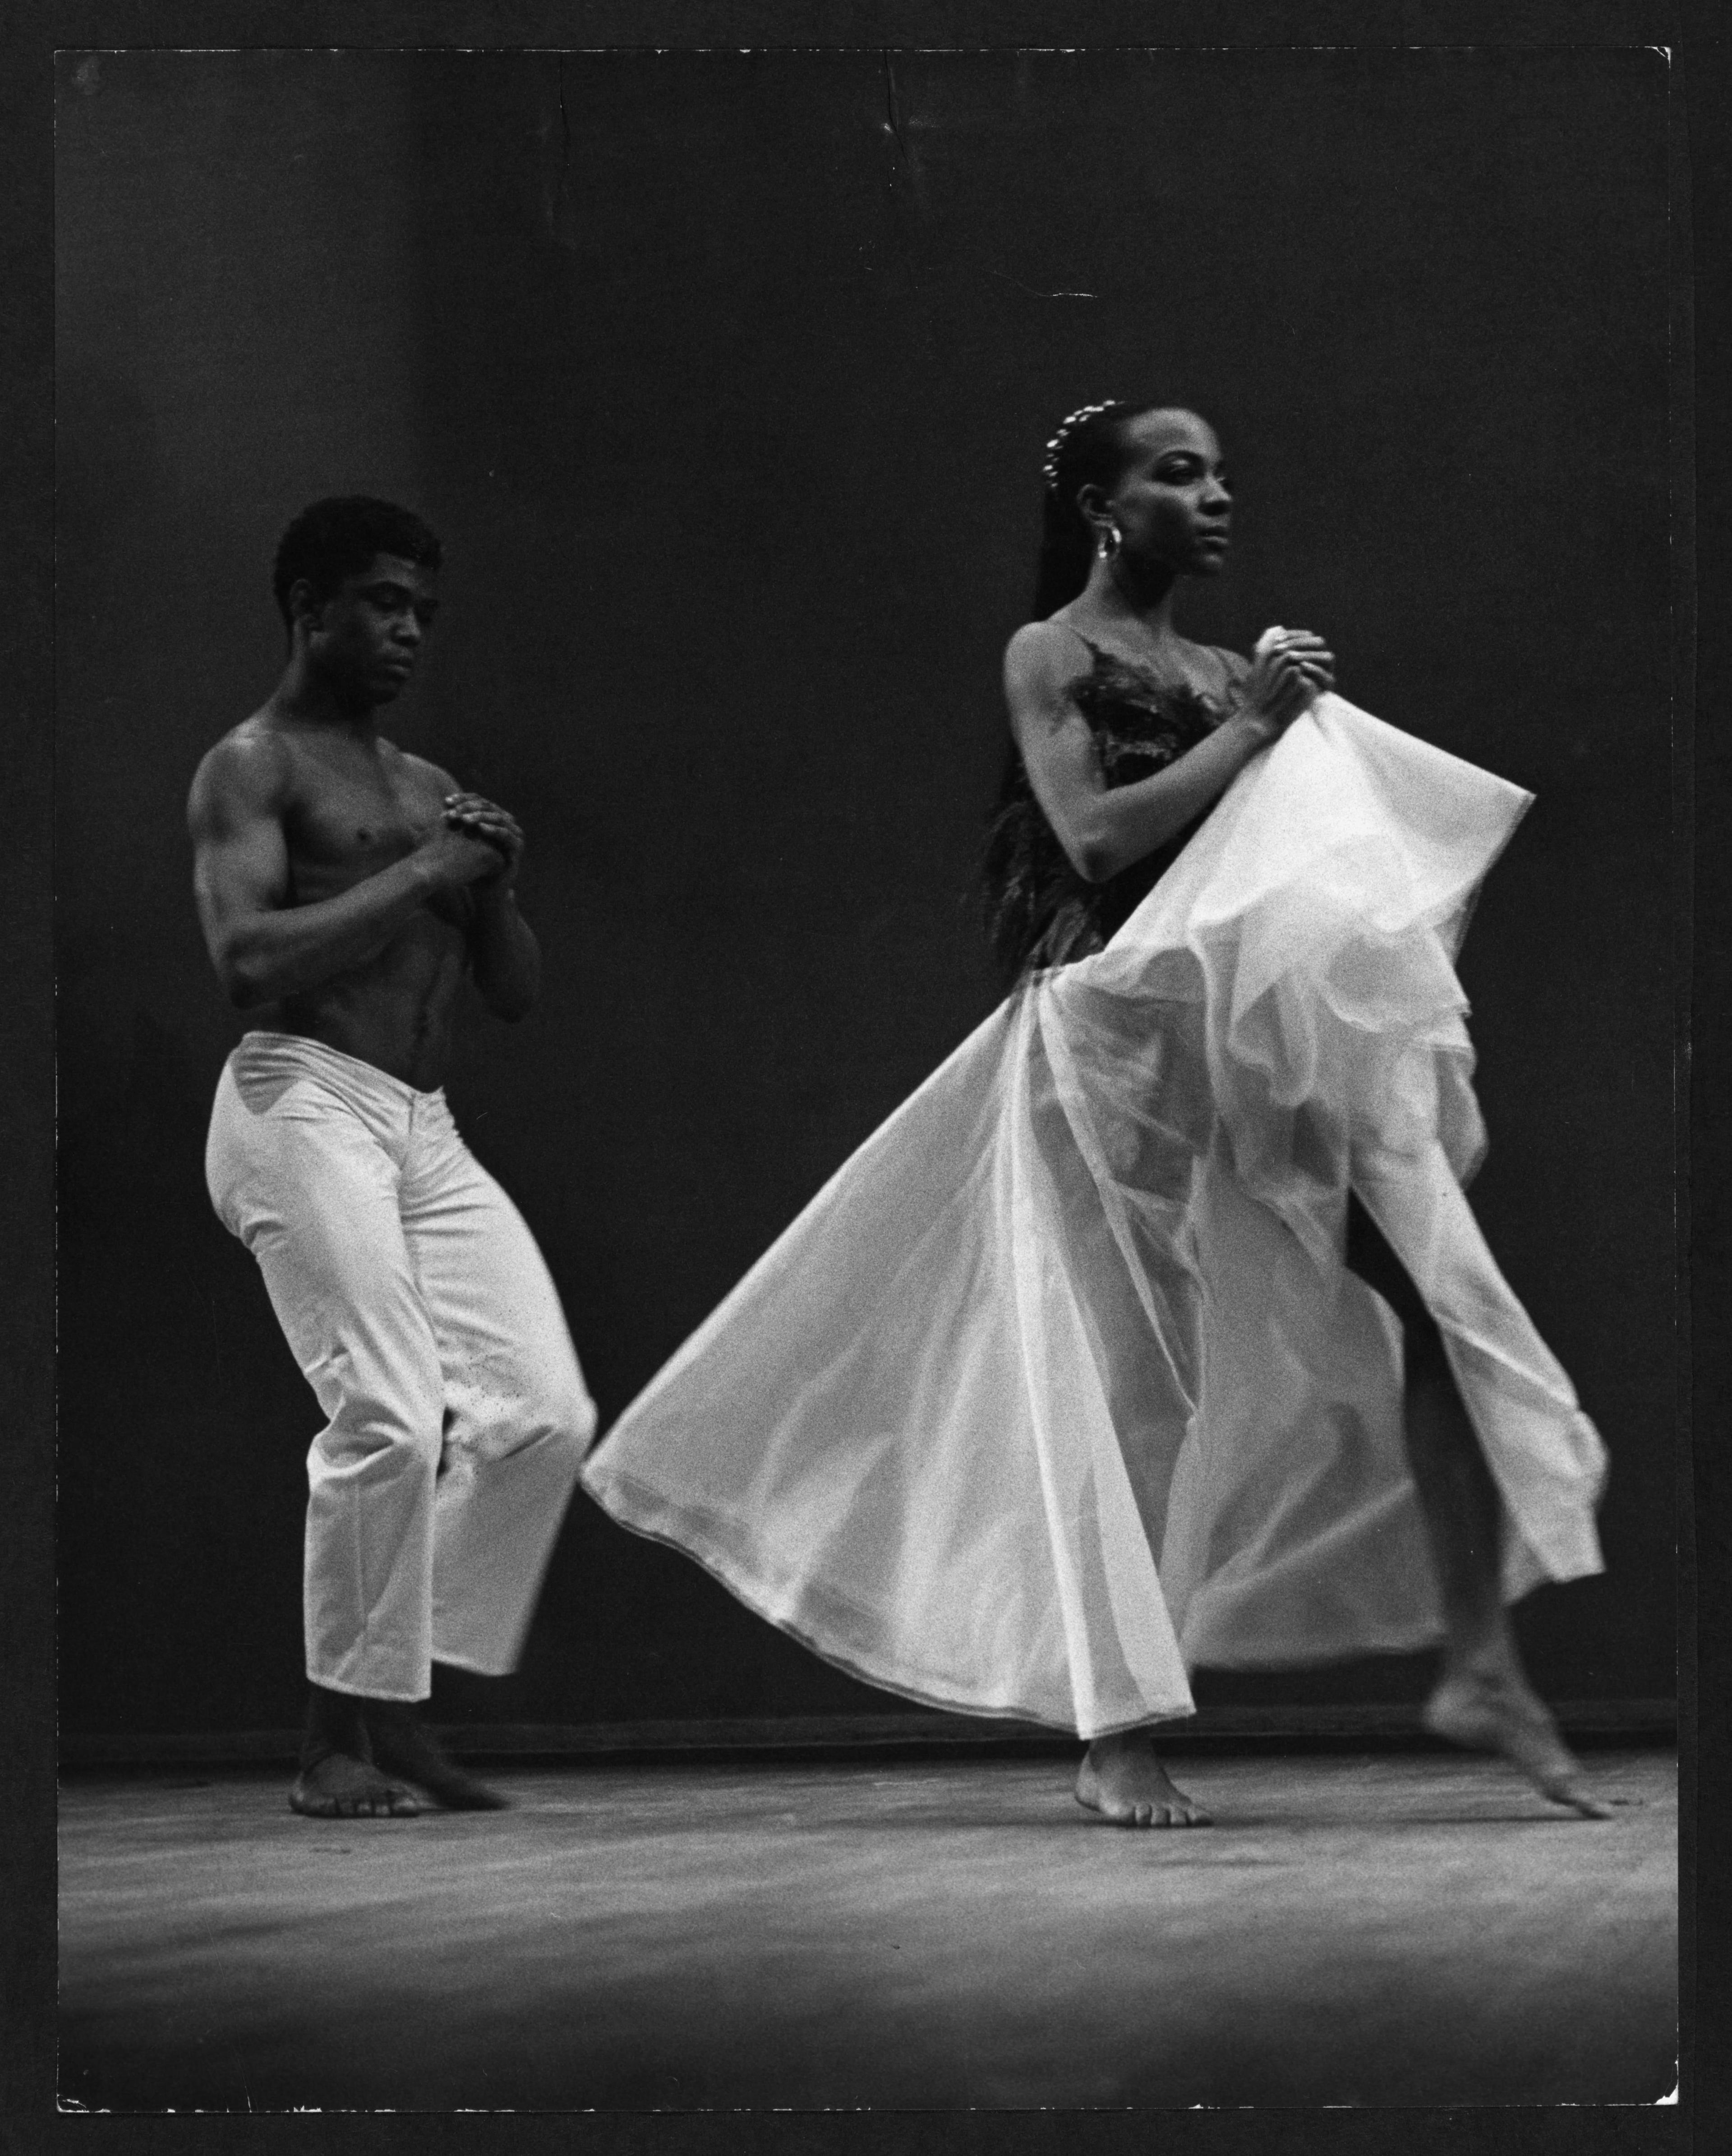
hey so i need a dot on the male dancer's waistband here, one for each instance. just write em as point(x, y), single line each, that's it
point(263, 1056)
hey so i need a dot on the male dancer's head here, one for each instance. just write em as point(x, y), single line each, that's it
point(354, 580)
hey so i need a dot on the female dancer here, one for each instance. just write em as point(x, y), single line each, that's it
point(1126, 736)
point(1074, 1377)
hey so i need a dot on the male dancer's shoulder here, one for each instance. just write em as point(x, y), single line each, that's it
point(419, 768)
point(417, 780)
point(250, 765)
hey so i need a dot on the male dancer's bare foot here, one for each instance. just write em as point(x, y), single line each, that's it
point(337, 1777)
point(1496, 1712)
point(1121, 1779)
point(400, 1743)
point(339, 1787)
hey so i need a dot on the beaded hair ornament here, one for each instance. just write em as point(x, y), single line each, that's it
point(1066, 428)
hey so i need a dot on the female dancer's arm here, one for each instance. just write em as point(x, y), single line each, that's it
point(1103, 829)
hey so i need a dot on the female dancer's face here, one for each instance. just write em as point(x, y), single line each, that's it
point(1171, 502)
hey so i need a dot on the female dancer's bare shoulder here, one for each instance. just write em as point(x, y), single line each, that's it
point(1044, 661)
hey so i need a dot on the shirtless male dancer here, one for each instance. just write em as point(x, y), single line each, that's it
point(345, 889)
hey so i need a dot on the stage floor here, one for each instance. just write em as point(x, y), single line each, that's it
point(1390, 1930)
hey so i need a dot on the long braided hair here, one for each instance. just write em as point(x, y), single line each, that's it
point(1023, 865)
point(1088, 449)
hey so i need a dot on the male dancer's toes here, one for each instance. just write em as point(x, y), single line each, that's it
point(337, 1777)
point(1122, 1779)
point(1495, 1710)
point(402, 1742)
point(337, 1787)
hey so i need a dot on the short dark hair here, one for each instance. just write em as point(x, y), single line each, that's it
point(337, 538)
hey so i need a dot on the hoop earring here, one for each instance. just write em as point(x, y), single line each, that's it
point(1111, 539)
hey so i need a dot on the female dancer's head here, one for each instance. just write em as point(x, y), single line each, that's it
point(1140, 487)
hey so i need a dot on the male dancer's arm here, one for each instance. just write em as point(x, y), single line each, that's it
point(504, 956)
point(262, 945)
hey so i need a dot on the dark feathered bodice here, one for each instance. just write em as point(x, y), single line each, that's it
point(1040, 911)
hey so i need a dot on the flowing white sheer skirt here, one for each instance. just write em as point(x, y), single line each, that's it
point(1060, 1387)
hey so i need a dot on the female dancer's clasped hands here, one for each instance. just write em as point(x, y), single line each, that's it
point(1289, 669)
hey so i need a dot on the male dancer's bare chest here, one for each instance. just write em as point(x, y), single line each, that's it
point(348, 816)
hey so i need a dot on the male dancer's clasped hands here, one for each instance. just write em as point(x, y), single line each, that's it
point(479, 818)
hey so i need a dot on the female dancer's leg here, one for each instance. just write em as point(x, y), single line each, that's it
point(1483, 1697)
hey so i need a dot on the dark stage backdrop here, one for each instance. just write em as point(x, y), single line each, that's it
point(727, 378)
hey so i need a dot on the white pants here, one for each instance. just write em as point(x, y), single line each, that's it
point(417, 1305)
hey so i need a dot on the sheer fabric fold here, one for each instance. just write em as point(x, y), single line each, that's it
point(1058, 1387)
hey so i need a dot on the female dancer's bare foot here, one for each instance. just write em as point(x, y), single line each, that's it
point(1122, 1779)
point(340, 1787)
point(1495, 1710)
